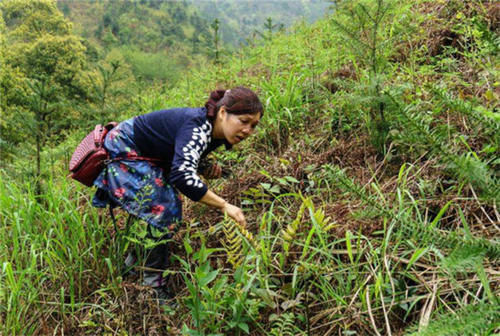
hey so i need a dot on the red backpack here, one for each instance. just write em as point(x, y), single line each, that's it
point(89, 157)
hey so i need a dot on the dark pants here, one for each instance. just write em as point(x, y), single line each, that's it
point(156, 259)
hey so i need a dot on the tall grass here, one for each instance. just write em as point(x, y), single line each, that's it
point(52, 255)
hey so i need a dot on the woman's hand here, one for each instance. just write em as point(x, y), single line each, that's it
point(213, 172)
point(217, 202)
point(235, 213)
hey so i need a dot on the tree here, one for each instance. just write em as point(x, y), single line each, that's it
point(269, 27)
point(10, 79)
point(216, 38)
point(47, 59)
point(365, 35)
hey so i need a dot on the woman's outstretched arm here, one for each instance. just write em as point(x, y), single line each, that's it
point(211, 199)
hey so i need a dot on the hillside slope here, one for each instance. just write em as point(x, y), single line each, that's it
point(158, 39)
point(147, 25)
point(371, 193)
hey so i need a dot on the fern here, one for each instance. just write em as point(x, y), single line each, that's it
point(283, 325)
point(472, 169)
point(467, 166)
point(480, 319)
point(233, 242)
point(323, 222)
point(448, 239)
point(247, 234)
point(290, 232)
point(490, 125)
point(453, 239)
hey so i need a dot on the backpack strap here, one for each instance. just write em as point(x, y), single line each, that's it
point(157, 162)
point(99, 134)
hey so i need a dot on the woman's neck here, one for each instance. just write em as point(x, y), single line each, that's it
point(217, 130)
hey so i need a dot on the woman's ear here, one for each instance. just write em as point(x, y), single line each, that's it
point(222, 112)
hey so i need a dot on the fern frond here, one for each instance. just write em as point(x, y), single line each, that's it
point(323, 221)
point(446, 239)
point(247, 234)
point(480, 319)
point(452, 239)
point(435, 138)
point(468, 108)
point(462, 259)
point(290, 232)
point(234, 243)
point(284, 325)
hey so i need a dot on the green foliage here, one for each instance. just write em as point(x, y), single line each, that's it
point(48, 58)
point(463, 259)
point(417, 228)
point(210, 299)
point(233, 242)
point(51, 243)
point(57, 57)
point(283, 325)
point(269, 28)
point(149, 27)
point(154, 66)
point(202, 300)
point(370, 31)
point(28, 20)
point(284, 107)
point(216, 38)
point(474, 319)
point(158, 39)
point(422, 129)
point(339, 240)
point(109, 84)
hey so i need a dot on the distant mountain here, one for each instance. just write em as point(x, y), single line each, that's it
point(240, 19)
point(149, 25)
point(153, 25)
point(157, 38)
point(160, 38)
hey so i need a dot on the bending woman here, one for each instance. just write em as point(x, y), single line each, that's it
point(180, 137)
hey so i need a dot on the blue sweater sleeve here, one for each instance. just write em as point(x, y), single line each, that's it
point(191, 141)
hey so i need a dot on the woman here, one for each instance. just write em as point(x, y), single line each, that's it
point(179, 137)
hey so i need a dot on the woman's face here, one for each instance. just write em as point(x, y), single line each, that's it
point(237, 128)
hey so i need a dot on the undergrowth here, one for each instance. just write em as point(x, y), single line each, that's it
point(371, 193)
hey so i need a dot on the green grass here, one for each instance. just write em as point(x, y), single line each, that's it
point(343, 237)
point(53, 253)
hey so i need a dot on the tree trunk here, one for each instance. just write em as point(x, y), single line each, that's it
point(38, 189)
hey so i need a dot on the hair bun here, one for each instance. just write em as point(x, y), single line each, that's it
point(211, 104)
